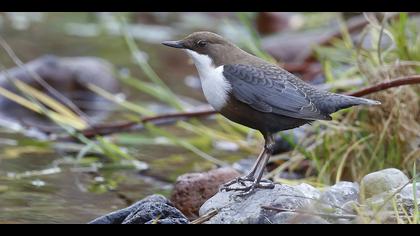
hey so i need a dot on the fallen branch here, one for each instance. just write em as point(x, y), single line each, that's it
point(172, 118)
point(414, 79)
point(165, 119)
point(179, 115)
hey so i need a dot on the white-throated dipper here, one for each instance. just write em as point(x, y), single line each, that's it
point(257, 94)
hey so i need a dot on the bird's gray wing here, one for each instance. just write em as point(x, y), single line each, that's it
point(269, 91)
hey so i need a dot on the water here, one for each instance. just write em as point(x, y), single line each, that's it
point(39, 182)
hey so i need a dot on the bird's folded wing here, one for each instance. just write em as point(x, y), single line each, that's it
point(270, 92)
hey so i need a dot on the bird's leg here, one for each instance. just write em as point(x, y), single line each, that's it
point(258, 182)
point(258, 170)
point(269, 146)
point(250, 176)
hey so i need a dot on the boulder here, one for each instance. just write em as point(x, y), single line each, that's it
point(192, 190)
point(236, 209)
point(155, 209)
point(382, 181)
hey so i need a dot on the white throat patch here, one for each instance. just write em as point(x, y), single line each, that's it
point(214, 85)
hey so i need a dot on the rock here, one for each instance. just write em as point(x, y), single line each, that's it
point(407, 200)
point(350, 207)
point(248, 209)
point(154, 209)
point(339, 194)
point(378, 201)
point(305, 204)
point(338, 199)
point(388, 202)
point(309, 191)
point(382, 181)
point(383, 190)
point(407, 191)
point(192, 190)
point(156, 213)
point(297, 218)
point(69, 76)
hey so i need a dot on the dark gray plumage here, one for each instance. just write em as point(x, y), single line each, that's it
point(270, 89)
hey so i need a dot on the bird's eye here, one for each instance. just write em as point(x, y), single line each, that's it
point(201, 43)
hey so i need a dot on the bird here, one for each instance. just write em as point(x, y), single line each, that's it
point(258, 94)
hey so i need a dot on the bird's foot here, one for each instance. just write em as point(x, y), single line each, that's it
point(247, 189)
point(238, 180)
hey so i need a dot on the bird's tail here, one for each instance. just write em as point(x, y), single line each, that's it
point(354, 101)
point(339, 101)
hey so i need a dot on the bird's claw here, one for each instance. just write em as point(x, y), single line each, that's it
point(238, 180)
point(247, 189)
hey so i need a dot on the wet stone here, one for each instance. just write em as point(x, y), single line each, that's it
point(249, 209)
point(154, 209)
point(340, 193)
point(192, 190)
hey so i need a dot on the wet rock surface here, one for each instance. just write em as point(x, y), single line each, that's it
point(297, 218)
point(154, 209)
point(192, 190)
point(305, 204)
point(235, 209)
point(285, 204)
point(340, 194)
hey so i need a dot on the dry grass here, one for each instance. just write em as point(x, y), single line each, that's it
point(361, 140)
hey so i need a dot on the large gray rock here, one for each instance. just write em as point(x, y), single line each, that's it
point(337, 200)
point(383, 181)
point(309, 191)
point(248, 209)
point(154, 209)
point(297, 218)
point(339, 194)
point(384, 190)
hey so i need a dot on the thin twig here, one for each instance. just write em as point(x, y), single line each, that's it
point(104, 129)
point(205, 217)
point(179, 115)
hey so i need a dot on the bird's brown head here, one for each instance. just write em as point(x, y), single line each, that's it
point(210, 44)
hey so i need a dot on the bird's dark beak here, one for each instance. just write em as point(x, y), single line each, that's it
point(174, 44)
